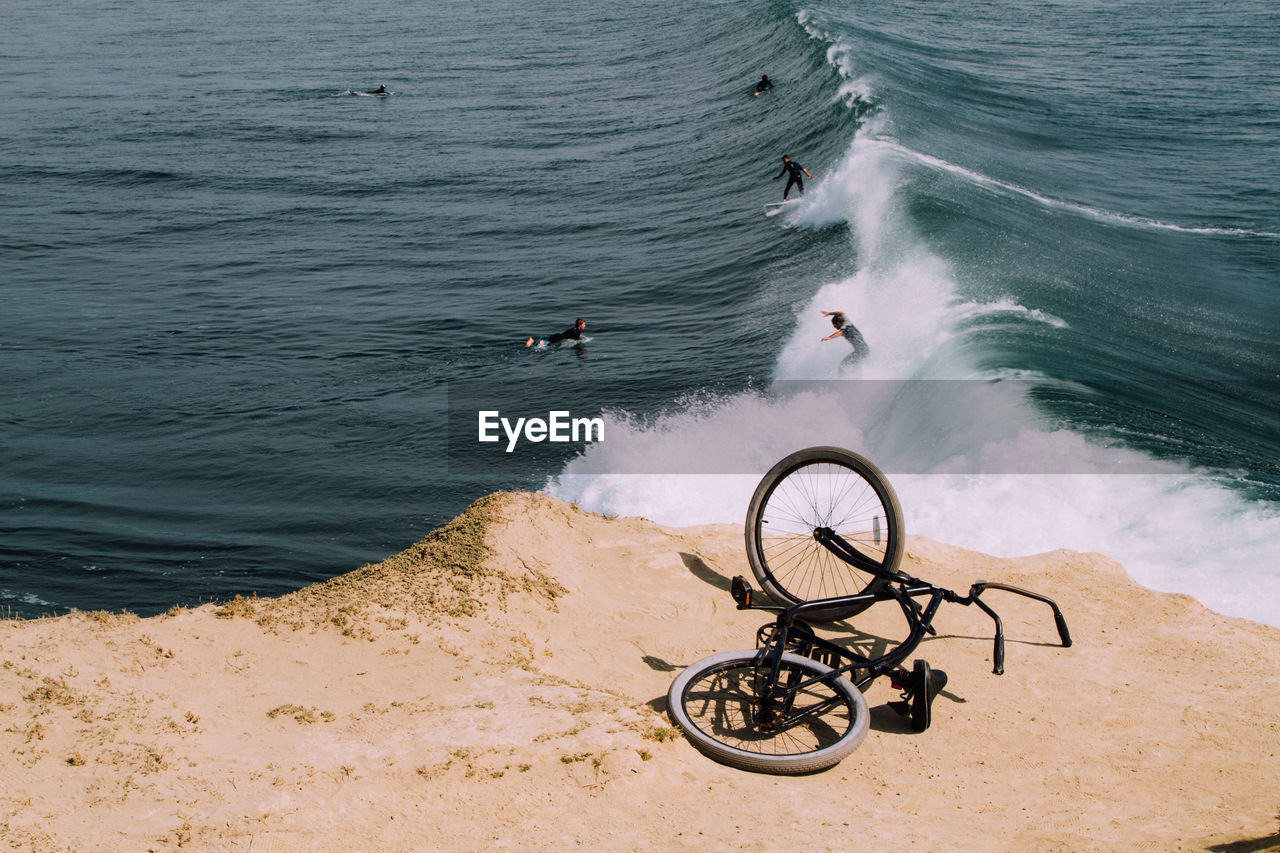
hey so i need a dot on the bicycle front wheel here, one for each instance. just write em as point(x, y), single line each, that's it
point(715, 702)
point(815, 488)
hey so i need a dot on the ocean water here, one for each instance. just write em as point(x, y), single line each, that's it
point(243, 309)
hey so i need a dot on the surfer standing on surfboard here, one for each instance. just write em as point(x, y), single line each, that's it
point(793, 170)
point(850, 333)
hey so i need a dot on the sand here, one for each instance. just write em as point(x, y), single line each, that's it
point(502, 685)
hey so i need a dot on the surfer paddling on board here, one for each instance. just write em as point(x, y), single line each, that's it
point(850, 333)
point(381, 90)
point(573, 333)
point(792, 170)
point(764, 84)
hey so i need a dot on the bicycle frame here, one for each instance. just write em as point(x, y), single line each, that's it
point(790, 630)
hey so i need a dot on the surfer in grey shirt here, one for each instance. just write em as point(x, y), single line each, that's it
point(850, 333)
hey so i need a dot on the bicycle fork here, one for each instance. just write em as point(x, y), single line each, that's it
point(777, 695)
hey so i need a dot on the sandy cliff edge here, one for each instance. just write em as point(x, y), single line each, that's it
point(502, 682)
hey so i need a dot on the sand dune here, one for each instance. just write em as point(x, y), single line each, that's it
point(502, 685)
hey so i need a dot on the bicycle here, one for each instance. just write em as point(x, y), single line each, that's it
point(822, 519)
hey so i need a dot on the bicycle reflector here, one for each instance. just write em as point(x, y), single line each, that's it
point(741, 592)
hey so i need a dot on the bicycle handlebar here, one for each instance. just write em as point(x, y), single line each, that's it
point(998, 654)
point(837, 545)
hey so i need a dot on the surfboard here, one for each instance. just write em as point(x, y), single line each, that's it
point(777, 203)
point(541, 343)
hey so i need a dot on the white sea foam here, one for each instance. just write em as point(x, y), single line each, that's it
point(28, 598)
point(1129, 219)
point(1173, 528)
point(979, 469)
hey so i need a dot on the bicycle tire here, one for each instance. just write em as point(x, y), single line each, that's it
point(713, 702)
point(822, 487)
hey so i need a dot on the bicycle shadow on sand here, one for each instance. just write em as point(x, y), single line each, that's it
point(855, 640)
point(700, 570)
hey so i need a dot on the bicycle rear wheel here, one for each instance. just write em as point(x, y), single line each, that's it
point(822, 487)
point(715, 702)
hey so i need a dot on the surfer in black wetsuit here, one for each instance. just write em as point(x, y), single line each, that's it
point(850, 333)
point(381, 90)
point(792, 169)
point(763, 84)
point(573, 333)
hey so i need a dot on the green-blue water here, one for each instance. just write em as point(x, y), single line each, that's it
point(233, 293)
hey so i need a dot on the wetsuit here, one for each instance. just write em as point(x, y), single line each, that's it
point(573, 333)
point(795, 175)
point(765, 83)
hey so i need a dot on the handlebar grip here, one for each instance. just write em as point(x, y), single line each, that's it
point(1063, 633)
